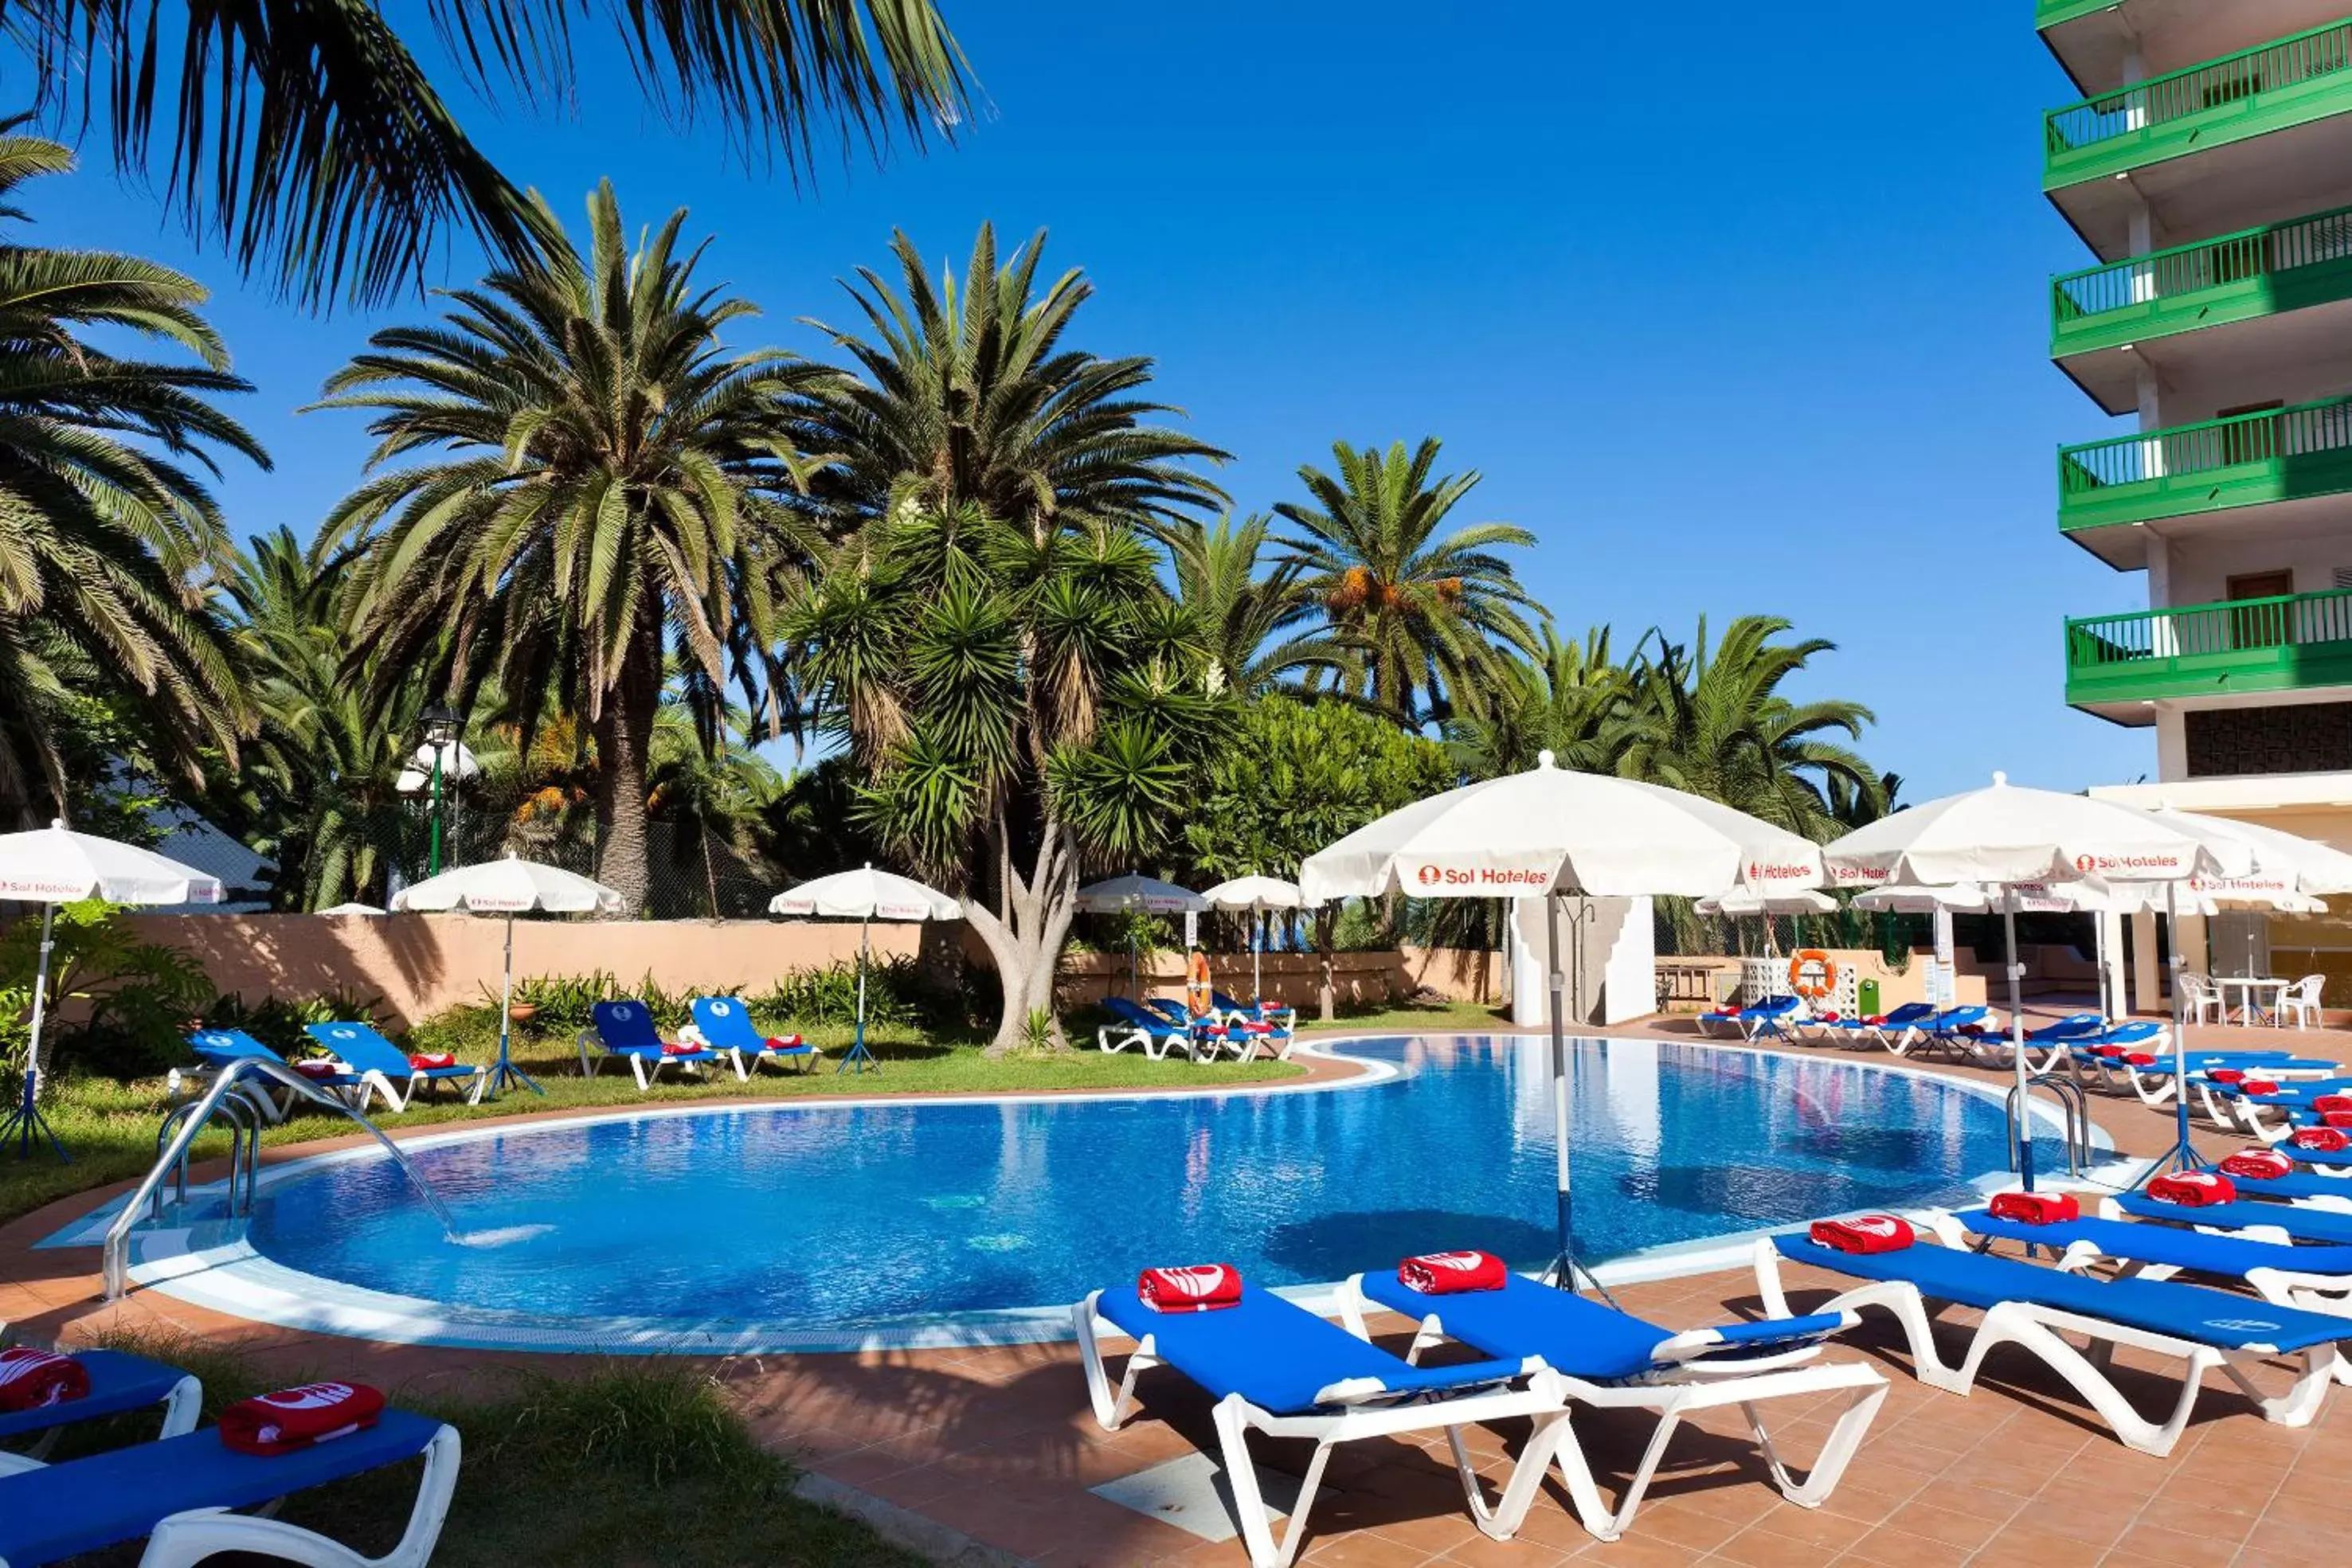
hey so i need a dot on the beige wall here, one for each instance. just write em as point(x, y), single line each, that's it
point(417, 964)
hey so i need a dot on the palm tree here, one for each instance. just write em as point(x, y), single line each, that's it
point(599, 488)
point(308, 137)
point(709, 792)
point(1574, 700)
point(1020, 707)
point(1251, 613)
point(966, 396)
point(1427, 613)
point(1713, 721)
point(108, 536)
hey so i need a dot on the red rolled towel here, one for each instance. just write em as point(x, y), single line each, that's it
point(1451, 1273)
point(784, 1042)
point(1196, 1288)
point(2228, 1075)
point(320, 1067)
point(2324, 1140)
point(1248, 1027)
point(2326, 1103)
point(2261, 1086)
point(1727, 1010)
point(2257, 1165)
point(297, 1418)
point(2194, 1189)
point(2035, 1207)
point(1874, 1020)
point(1865, 1233)
point(31, 1378)
point(426, 1060)
point(2139, 1059)
point(2335, 1118)
point(2110, 1052)
point(1972, 1030)
point(1827, 1017)
point(680, 1048)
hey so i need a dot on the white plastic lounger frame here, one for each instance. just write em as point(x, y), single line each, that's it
point(1114, 1037)
point(593, 1056)
point(1681, 1393)
point(1355, 1415)
point(181, 1408)
point(375, 1082)
point(2037, 1329)
point(186, 1539)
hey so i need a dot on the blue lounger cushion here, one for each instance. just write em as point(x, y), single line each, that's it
point(2292, 1185)
point(2191, 1312)
point(1279, 1356)
point(726, 1025)
point(2314, 1225)
point(1582, 1338)
point(1126, 1011)
point(82, 1505)
point(626, 1029)
point(119, 1383)
point(366, 1051)
point(219, 1046)
point(2300, 1092)
point(2166, 1244)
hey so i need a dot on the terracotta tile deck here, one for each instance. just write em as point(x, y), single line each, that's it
point(997, 1443)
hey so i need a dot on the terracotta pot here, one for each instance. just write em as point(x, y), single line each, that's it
point(523, 1012)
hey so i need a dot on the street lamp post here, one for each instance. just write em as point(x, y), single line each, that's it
point(440, 730)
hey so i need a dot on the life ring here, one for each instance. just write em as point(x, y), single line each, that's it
point(1198, 990)
point(1812, 973)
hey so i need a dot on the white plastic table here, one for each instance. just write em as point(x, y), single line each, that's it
point(2249, 984)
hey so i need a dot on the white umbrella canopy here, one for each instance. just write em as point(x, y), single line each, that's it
point(862, 895)
point(2006, 835)
point(1256, 895)
point(1909, 898)
point(352, 909)
point(1745, 901)
point(2298, 864)
point(1134, 891)
point(865, 895)
point(1551, 830)
point(510, 887)
point(54, 865)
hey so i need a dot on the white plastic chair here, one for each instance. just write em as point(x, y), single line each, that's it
point(2302, 1000)
point(2200, 993)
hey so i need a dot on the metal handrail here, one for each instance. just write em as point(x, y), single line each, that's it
point(2304, 430)
point(2263, 252)
point(191, 1122)
point(2233, 625)
point(2073, 1105)
point(2210, 85)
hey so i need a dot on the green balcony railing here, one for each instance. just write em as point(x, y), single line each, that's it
point(2274, 267)
point(2250, 93)
point(2291, 643)
point(2276, 454)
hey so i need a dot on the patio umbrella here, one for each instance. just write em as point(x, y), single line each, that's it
point(352, 909)
point(2007, 835)
point(864, 896)
point(1740, 902)
point(54, 865)
point(510, 886)
point(1120, 895)
point(1549, 831)
point(1258, 895)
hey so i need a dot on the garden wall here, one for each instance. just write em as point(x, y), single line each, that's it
point(418, 965)
point(1367, 979)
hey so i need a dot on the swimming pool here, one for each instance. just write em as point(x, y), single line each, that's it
point(794, 1227)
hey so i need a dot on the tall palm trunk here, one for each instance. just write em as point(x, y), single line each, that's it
point(625, 736)
point(1025, 931)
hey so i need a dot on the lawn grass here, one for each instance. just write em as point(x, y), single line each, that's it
point(640, 1462)
point(1414, 1018)
point(109, 1128)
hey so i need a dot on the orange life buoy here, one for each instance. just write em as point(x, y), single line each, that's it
point(1198, 991)
point(1812, 973)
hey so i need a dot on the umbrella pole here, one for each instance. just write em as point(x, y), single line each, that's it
point(26, 1121)
point(857, 1052)
point(1563, 1268)
point(2183, 1154)
point(506, 1073)
point(2025, 1123)
point(1258, 954)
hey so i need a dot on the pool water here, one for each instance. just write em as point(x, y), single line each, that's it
point(862, 1216)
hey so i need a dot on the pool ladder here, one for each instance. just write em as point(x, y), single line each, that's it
point(2074, 1109)
point(236, 1099)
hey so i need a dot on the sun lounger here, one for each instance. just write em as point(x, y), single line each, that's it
point(1767, 1018)
point(624, 1031)
point(2269, 1116)
point(218, 1048)
point(2287, 1221)
point(385, 1069)
point(1947, 1031)
point(724, 1024)
point(1131, 1025)
point(120, 1385)
point(1279, 1033)
point(1277, 1368)
point(1280, 1015)
point(1613, 1361)
point(2142, 1063)
point(1880, 1030)
point(173, 1493)
point(2315, 1279)
point(2031, 1305)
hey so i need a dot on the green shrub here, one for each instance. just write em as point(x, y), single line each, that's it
point(137, 997)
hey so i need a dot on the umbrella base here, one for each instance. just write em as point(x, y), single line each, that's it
point(28, 1129)
point(859, 1058)
point(505, 1074)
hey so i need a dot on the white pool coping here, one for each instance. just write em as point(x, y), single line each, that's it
point(208, 1264)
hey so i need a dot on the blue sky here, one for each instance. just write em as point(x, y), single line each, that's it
point(1739, 308)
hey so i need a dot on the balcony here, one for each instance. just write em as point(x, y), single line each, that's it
point(2210, 313)
point(2271, 465)
point(2118, 664)
point(2099, 41)
point(2183, 140)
